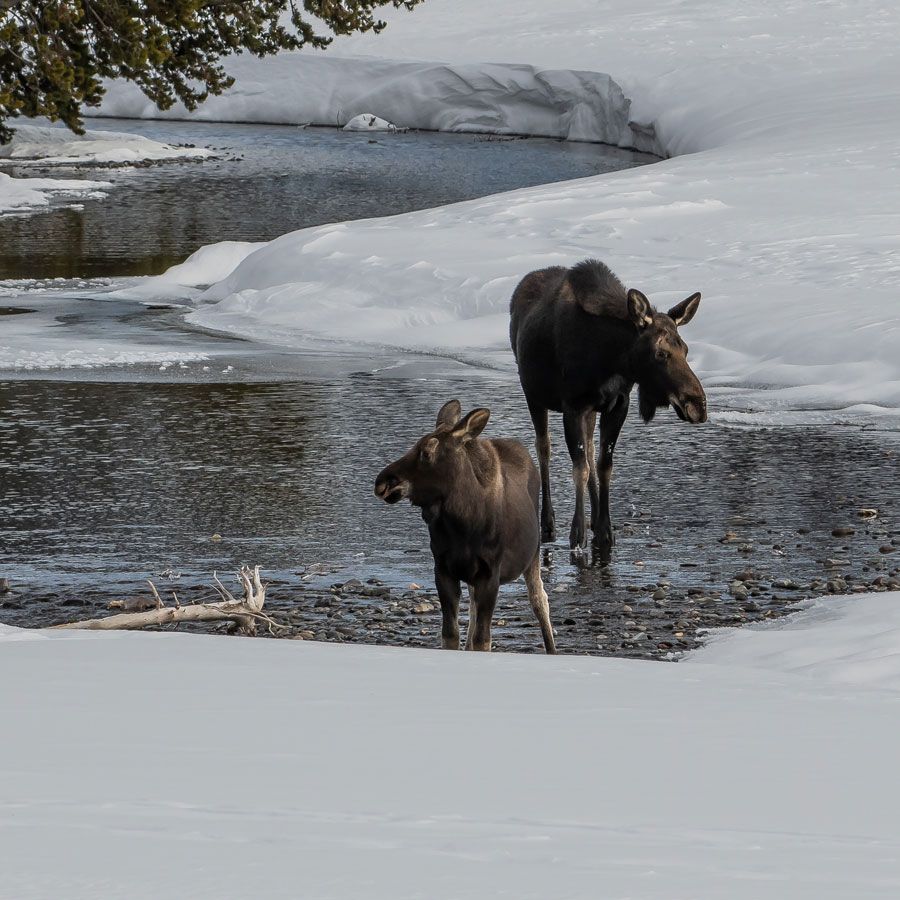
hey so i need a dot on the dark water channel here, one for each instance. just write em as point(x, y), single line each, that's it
point(104, 485)
point(270, 180)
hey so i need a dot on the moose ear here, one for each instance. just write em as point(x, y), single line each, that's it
point(684, 311)
point(639, 309)
point(449, 414)
point(472, 425)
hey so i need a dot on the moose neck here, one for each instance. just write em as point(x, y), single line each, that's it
point(629, 363)
point(468, 496)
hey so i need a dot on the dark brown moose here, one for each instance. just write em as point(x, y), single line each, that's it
point(582, 342)
point(479, 499)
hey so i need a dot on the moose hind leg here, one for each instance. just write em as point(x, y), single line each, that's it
point(541, 420)
point(576, 441)
point(537, 597)
point(473, 607)
point(611, 422)
point(449, 593)
point(590, 424)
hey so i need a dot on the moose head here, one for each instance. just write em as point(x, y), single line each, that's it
point(436, 461)
point(659, 359)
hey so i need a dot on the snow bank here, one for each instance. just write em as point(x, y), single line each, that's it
point(369, 122)
point(151, 765)
point(28, 194)
point(846, 640)
point(329, 89)
point(56, 145)
point(781, 206)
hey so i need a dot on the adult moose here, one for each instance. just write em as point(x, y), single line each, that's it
point(479, 499)
point(582, 342)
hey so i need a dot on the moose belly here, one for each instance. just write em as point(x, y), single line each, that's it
point(470, 565)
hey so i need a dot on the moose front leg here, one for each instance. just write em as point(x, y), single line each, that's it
point(577, 441)
point(485, 597)
point(448, 593)
point(611, 421)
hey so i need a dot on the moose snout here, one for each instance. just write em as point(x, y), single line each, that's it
point(690, 409)
point(389, 487)
point(694, 409)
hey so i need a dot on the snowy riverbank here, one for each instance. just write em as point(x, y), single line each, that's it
point(46, 145)
point(152, 765)
point(782, 205)
point(55, 145)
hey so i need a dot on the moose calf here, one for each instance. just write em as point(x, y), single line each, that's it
point(479, 499)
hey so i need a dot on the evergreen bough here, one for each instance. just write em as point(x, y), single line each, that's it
point(54, 54)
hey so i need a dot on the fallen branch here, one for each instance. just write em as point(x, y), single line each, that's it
point(243, 612)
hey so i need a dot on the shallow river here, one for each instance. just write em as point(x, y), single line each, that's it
point(113, 476)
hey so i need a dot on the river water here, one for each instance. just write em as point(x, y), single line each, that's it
point(112, 476)
point(268, 181)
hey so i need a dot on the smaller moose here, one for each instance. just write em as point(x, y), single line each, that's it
point(479, 499)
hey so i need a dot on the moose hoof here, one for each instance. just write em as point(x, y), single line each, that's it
point(604, 539)
point(576, 535)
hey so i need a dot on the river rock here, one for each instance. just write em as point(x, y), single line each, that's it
point(843, 531)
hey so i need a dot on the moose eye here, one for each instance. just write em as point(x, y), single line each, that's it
point(428, 451)
point(662, 355)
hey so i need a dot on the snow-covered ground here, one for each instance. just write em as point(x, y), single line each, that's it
point(150, 765)
point(781, 202)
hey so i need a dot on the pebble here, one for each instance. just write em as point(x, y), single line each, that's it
point(423, 607)
point(886, 548)
point(843, 531)
point(867, 512)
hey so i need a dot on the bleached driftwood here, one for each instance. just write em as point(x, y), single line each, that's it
point(243, 612)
